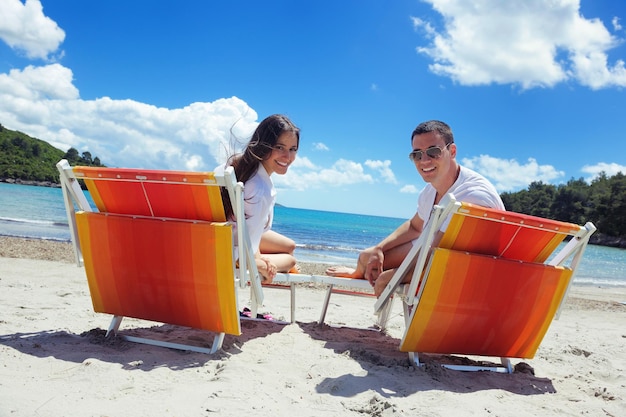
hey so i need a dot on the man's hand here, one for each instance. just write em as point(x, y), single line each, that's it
point(374, 265)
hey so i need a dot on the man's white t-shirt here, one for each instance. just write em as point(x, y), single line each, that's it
point(259, 197)
point(469, 187)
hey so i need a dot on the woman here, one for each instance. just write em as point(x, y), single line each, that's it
point(271, 149)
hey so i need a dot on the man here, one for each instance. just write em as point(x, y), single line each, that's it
point(434, 153)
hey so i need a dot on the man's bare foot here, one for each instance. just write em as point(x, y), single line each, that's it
point(341, 271)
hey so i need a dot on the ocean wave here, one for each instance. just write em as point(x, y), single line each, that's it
point(603, 282)
point(329, 248)
point(34, 222)
point(34, 229)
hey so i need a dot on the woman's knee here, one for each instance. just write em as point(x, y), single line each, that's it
point(290, 246)
point(272, 242)
point(286, 262)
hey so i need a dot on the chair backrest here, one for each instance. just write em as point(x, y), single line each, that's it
point(154, 193)
point(505, 234)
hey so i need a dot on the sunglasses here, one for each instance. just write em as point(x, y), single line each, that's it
point(433, 152)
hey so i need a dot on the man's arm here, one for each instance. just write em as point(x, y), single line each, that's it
point(406, 232)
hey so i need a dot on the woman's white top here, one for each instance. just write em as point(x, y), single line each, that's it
point(259, 197)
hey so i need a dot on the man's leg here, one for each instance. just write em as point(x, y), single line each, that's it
point(393, 259)
point(385, 278)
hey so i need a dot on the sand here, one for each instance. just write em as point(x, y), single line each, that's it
point(56, 362)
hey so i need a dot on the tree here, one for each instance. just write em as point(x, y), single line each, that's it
point(540, 197)
point(570, 202)
point(86, 158)
point(613, 223)
point(36, 150)
point(71, 155)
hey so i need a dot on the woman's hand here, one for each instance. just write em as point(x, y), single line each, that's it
point(266, 268)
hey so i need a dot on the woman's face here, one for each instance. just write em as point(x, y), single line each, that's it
point(283, 154)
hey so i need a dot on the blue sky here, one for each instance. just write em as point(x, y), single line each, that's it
point(533, 89)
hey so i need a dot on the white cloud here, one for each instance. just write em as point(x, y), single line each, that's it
point(384, 169)
point(609, 169)
point(304, 162)
point(510, 175)
point(424, 25)
point(24, 27)
point(342, 173)
point(319, 146)
point(39, 83)
point(531, 43)
point(304, 174)
point(43, 102)
point(616, 24)
point(409, 189)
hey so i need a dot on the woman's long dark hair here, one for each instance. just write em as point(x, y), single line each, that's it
point(258, 149)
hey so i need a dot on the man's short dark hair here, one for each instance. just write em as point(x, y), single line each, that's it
point(437, 126)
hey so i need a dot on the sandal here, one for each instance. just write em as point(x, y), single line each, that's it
point(248, 313)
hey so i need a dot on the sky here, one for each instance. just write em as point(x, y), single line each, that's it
point(534, 90)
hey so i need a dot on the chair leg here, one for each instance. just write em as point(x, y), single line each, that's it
point(217, 342)
point(506, 363)
point(325, 306)
point(385, 312)
point(506, 367)
point(115, 325)
point(117, 320)
point(292, 290)
point(415, 360)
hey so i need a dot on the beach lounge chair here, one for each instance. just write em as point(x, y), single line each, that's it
point(490, 287)
point(158, 248)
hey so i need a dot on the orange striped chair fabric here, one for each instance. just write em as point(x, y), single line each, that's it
point(170, 194)
point(484, 305)
point(177, 272)
point(509, 235)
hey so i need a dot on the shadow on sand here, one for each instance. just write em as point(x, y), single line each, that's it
point(389, 372)
point(76, 348)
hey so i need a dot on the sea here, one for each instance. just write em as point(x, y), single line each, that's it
point(321, 236)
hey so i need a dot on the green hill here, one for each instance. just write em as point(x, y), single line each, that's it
point(28, 160)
